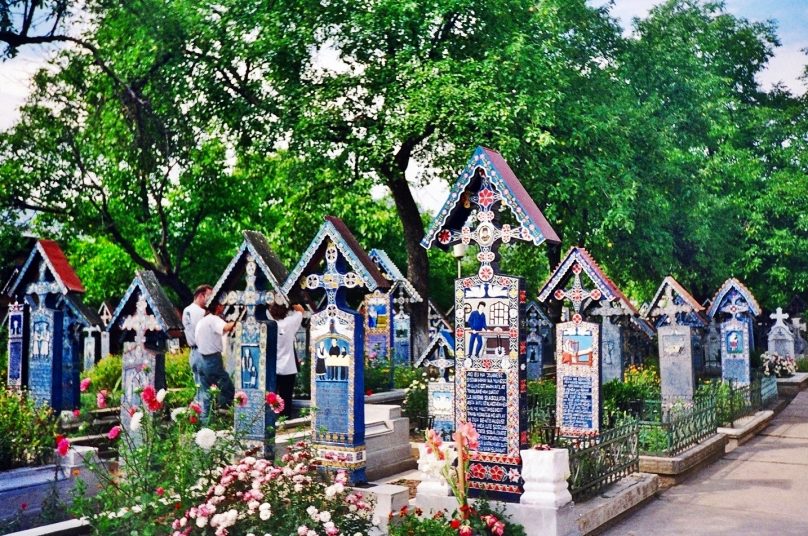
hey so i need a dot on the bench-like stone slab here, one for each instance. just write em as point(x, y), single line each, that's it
point(673, 469)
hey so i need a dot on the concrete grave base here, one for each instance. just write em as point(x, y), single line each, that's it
point(791, 386)
point(672, 470)
point(30, 485)
point(573, 519)
point(746, 428)
point(387, 441)
point(72, 527)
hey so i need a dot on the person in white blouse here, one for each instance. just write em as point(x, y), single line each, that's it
point(191, 316)
point(289, 321)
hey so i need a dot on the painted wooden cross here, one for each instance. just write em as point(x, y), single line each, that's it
point(331, 280)
point(250, 297)
point(671, 308)
point(734, 305)
point(607, 309)
point(140, 322)
point(779, 316)
point(42, 288)
point(482, 228)
point(577, 294)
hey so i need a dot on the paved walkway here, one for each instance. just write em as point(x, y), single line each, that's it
point(760, 488)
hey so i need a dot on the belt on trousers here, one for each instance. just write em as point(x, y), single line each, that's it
point(214, 354)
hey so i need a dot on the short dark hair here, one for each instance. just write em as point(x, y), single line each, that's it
point(278, 311)
point(201, 289)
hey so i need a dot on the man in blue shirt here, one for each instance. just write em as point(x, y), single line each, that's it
point(476, 323)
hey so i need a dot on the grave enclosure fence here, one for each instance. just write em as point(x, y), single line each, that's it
point(676, 429)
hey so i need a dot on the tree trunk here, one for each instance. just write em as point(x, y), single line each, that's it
point(417, 260)
point(172, 281)
point(553, 258)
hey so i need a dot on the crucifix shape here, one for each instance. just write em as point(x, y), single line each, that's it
point(401, 299)
point(332, 280)
point(734, 305)
point(250, 297)
point(671, 308)
point(607, 309)
point(799, 325)
point(106, 316)
point(577, 294)
point(42, 288)
point(779, 317)
point(482, 227)
point(140, 322)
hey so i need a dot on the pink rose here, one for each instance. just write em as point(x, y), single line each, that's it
point(101, 399)
point(114, 432)
point(85, 384)
point(241, 398)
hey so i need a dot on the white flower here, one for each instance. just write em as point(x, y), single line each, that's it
point(205, 438)
point(137, 508)
point(264, 514)
point(201, 521)
point(218, 490)
point(161, 395)
point(134, 424)
point(325, 517)
point(176, 412)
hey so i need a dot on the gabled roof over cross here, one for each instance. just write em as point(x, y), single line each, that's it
point(333, 230)
point(578, 261)
point(456, 209)
point(145, 285)
point(671, 298)
point(256, 246)
point(721, 300)
point(442, 339)
point(51, 254)
point(391, 272)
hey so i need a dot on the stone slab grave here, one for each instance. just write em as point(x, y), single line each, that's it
point(336, 343)
point(676, 371)
point(579, 281)
point(439, 357)
point(578, 394)
point(490, 346)
point(539, 340)
point(780, 338)
point(679, 347)
point(250, 283)
point(403, 294)
point(146, 319)
point(734, 308)
point(17, 351)
point(55, 316)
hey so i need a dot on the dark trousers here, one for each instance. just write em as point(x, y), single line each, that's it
point(212, 372)
point(286, 389)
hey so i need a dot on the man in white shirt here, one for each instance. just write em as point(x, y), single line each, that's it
point(208, 337)
point(191, 315)
point(289, 322)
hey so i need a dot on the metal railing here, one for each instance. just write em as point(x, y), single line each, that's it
point(597, 461)
point(768, 390)
point(678, 428)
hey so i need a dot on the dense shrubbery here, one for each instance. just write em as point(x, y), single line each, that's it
point(639, 383)
point(416, 402)
point(26, 432)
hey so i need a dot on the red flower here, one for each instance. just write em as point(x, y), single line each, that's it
point(497, 473)
point(114, 432)
point(368, 392)
point(101, 399)
point(159, 492)
point(132, 410)
point(148, 394)
point(62, 446)
point(465, 530)
point(444, 236)
point(77, 413)
point(455, 524)
point(85, 384)
point(275, 402)
point(241, 399)
point(477, 471)
point(192, 419)
point(196, 407)
point(485, 197)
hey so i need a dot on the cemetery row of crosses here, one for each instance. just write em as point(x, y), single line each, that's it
point(498, 336)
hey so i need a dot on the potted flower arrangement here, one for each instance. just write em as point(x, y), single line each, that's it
point(452, 465)
point(778, 366)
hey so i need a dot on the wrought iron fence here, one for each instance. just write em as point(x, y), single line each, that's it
point(734, 401)
point(679, 427)
point(597, 461)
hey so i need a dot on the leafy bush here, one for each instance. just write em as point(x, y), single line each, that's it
point(415, 404)
point(639, 383)
point(802, 364)
point(255, 496)
point(26, 431)
point(166, 465)
point(106, 374)
point(653, 439)
point(178, 370)
point(544, 391)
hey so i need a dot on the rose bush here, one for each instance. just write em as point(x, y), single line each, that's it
point(255, 496)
